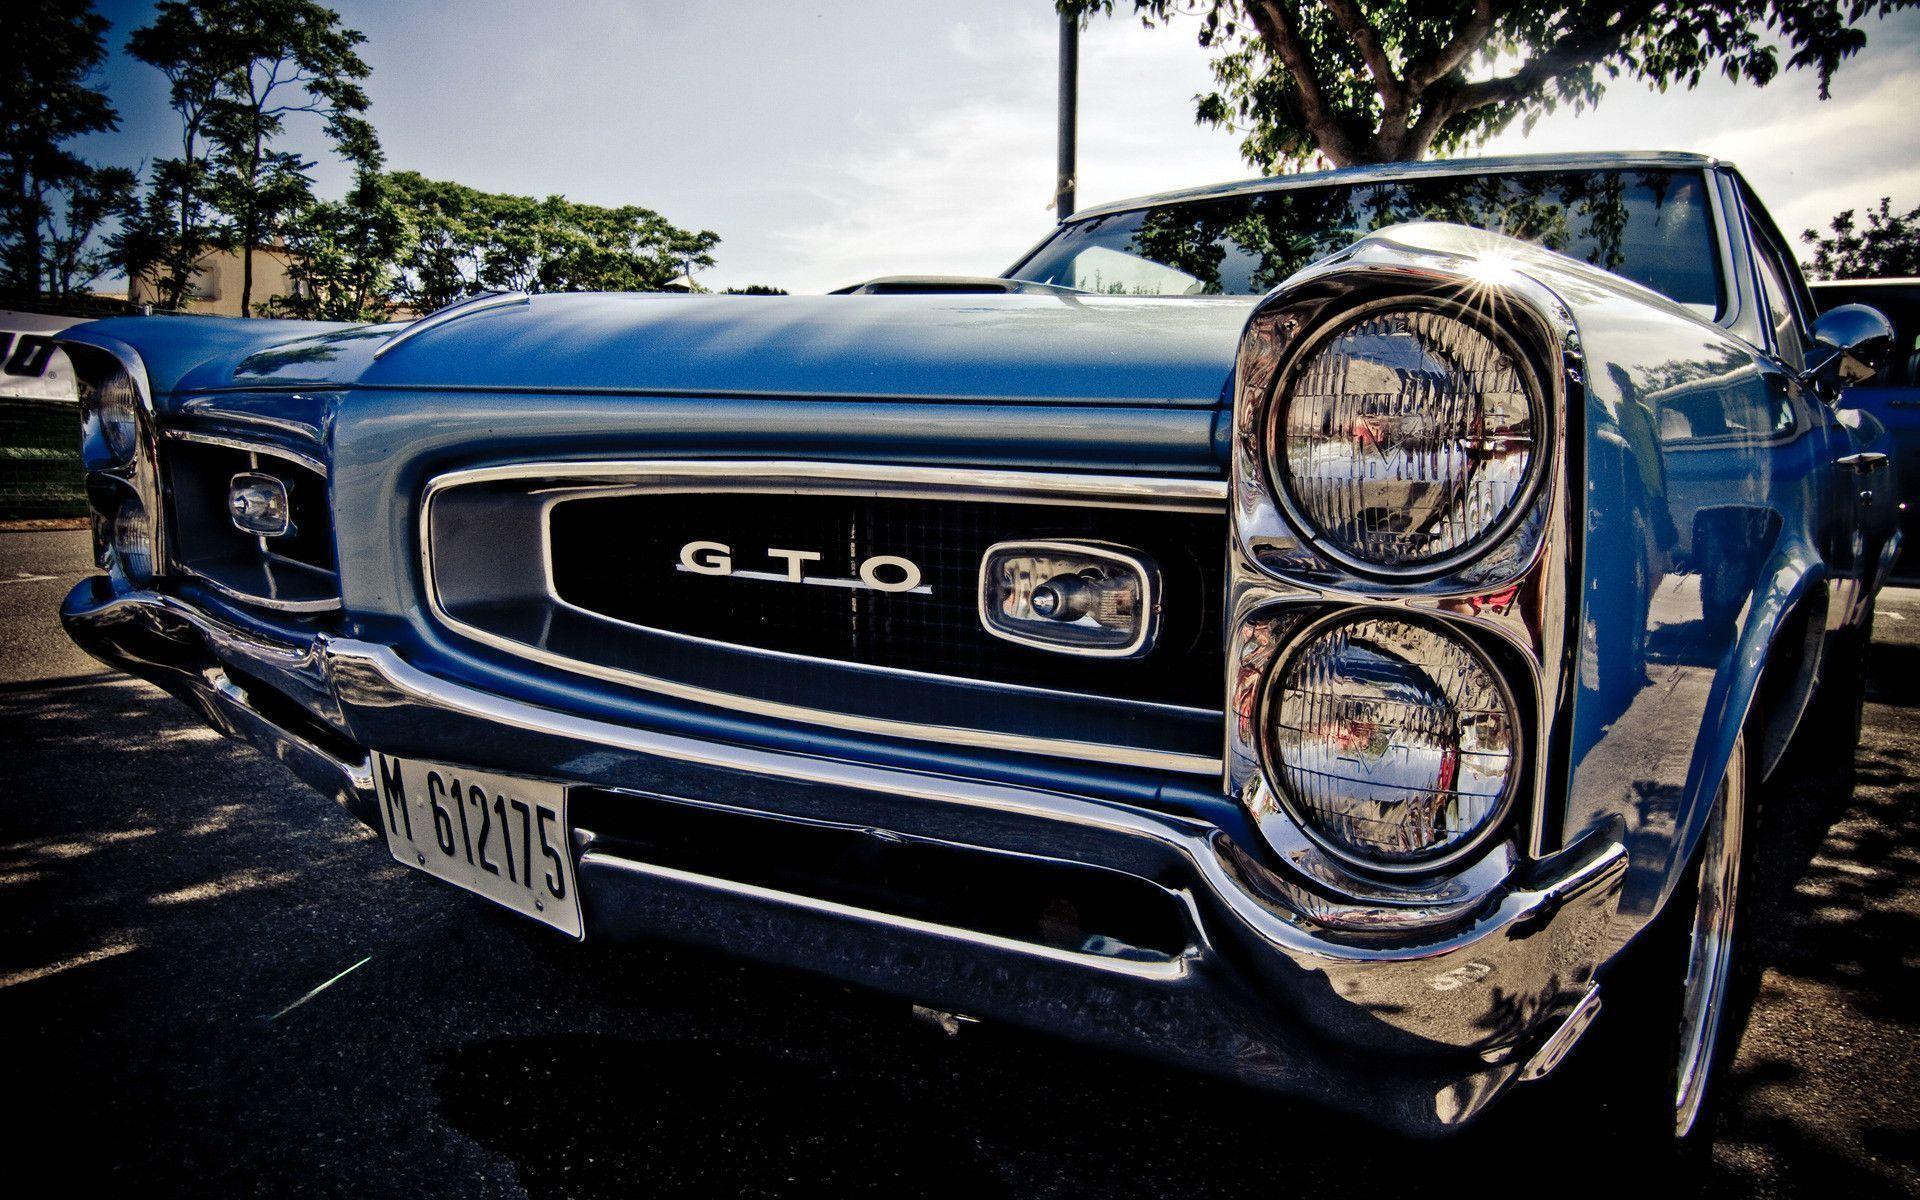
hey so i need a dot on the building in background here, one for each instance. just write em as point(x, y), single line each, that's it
point(216, 282)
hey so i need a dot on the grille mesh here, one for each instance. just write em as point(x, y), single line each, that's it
point(619, 557)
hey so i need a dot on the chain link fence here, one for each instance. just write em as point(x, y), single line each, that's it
point(40, 472)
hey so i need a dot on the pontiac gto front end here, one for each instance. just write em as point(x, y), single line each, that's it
point(1314, 690)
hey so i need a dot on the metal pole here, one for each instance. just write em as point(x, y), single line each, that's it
point(1069, 89)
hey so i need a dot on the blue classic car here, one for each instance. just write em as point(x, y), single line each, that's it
point(1326, 630)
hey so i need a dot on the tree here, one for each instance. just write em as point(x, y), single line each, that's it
point(237, 70)
point(460, 240)
point(288, 57)
point(442, 252)
point(1889, 247)
point(1372, 81)
point(52, 202)
point(192, 44)
point(77, 252)
point(341, 255)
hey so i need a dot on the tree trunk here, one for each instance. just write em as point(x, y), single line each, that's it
point(31, 249)
point(246, 272)
point(250, 231)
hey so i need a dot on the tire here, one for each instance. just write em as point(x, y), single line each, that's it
point(1674, 1005)
point(1838, 709)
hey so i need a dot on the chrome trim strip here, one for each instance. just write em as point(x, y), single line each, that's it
point(233, 443)
point(640, 476)
point(330, 604)
point(205, 406)
point(452, 312)
point(791, 478)
point(1172, 968)
point(1555, 1048)
point(397, 678)
point(1733, 301)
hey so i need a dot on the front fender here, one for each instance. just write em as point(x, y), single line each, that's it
point(1707, 487)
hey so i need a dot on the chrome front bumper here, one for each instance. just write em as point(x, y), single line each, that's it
point(1418, 1033)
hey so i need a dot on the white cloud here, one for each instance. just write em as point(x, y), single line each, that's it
point(965, 188)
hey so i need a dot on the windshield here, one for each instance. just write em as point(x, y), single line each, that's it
point(1653, 227)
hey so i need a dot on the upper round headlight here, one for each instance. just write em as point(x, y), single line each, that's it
point(1405, 438)
point(113, 411)
point(1392, 744)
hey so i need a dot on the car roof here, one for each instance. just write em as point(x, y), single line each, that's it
point(1589, 161)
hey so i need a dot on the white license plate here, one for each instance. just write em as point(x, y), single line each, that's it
point(503, 837)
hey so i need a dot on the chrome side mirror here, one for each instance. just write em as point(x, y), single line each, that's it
point(1850, 345)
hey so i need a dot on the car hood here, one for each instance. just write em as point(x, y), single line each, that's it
point(1057, 349)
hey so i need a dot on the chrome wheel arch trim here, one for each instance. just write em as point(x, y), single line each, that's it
point(582, 479)
point(1710, 943)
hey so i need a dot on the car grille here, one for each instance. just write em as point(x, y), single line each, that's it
point(618, 557)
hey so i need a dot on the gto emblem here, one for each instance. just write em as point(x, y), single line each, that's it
point(881, 573)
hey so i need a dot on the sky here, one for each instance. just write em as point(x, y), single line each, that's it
point(830, 142)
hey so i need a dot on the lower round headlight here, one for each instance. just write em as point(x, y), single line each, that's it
point(131, 537)
point(1391, 743)
point(1405, 438)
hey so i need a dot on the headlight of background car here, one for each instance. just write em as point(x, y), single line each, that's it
point(1405, 437)
point(1391, 743)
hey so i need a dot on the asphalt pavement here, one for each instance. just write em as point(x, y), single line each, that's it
point(170, 902)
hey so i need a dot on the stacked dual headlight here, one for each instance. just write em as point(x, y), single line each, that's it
point(116, 452)
point(1404, 441)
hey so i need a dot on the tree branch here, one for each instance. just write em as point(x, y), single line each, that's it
point(1576, 50)
point(1367, 40)
point(1275, 23)
point(1423, 74)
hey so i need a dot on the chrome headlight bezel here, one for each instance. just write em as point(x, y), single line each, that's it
point(1492, 827)
point(1512, 596)
point(120, 452)
point(1271, 437)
